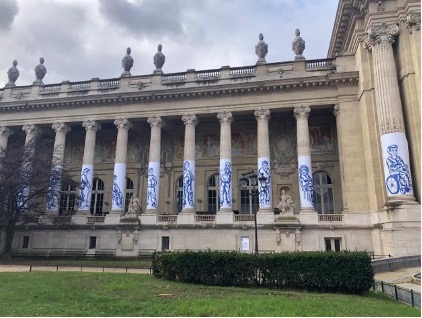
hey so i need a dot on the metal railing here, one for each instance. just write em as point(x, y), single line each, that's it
point(408, 296)
point(330, 217)
point(205, 218)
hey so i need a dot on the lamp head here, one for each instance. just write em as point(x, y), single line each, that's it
point(243, 182)
point(262, 181)
point(254, 179)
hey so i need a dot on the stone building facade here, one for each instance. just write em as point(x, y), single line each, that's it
point(158, 158)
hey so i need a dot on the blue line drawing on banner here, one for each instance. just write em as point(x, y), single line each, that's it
point(53, 189)
point(188, 179)
point(117, 195)
point(152, 189)
point(225, 183)
point(305, 182)
point(85, 189)
point(399, 179)
point(264, 196)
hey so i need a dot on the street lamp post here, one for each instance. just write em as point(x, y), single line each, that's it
point(254, 193)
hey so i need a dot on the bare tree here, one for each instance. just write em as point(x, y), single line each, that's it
point(28, 180)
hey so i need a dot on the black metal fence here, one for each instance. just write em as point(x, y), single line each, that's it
point(405, 295)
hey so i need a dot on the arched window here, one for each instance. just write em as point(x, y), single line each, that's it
point(323, 193)
point(213, 193)
point(67, 198)
point(128, 193)
point(179, 194)
point(248, 204)
point(97, 197)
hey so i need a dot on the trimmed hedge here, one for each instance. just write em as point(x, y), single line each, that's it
point(346, 271)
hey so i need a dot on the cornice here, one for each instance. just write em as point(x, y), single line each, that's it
point(216, 91)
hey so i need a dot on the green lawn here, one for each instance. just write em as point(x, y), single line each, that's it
point(106, 294)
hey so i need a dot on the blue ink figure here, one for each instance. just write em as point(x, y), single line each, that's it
point(188, 179)
point(305, 182)
point(85, 187)
point(51, 197)
point(151, 189)
point(117, 195)
point(264, 171)
point(399, 179)
point(225, 180)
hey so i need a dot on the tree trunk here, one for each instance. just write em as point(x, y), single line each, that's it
point(10, 232)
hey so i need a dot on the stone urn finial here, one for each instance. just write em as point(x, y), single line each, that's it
point(298, 46)
point(127, 63)
point(40, 71)
point(261, 49)
point(12, 74)
point(159, 60)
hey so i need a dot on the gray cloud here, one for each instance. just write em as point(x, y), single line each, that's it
point(146, 18)
point(8, 11)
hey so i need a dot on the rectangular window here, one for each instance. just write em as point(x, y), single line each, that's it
point(25, 242)
point(332, 244)
point(165, 243)
point(92, 242)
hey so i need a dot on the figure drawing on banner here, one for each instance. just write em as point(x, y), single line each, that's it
point(264, 171)
point(152, 189)
point(188, 179)
point(85, 189)
point(399, 179)
point(117, 195)
point(305, 182)
point(225, 180)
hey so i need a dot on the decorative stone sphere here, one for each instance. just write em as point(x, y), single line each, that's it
point(13, 74)
point(261, 49)
point(159, 59)
point(127, 62)
point(298, 45)
point(40, 71)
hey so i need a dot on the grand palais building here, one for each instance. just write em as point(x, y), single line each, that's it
point(317, 154)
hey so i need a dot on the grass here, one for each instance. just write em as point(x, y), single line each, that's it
point(107, 294)
point(85, 262)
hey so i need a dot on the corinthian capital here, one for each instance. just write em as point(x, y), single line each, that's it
point(413, 19)
point(262, 114)
point(190, 119)
point(5, 131)
point(61, 127)
point(90, 124)
point(31, 129)
point(122, 123)
point(155, 121)
point(301, 111)
point(225, 117)
point(384, 32)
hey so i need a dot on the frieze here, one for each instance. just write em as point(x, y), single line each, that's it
point(283, 142)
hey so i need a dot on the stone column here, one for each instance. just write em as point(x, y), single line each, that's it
point(61, 130)
point(264, 163)
point(119, 176)
point(226, 193)
point(153, 186)
point(395, 150)
point(32, 132)
point(301, 113)
point(190, 121)
point(5, 133)
point(337, 113)
point(91, 127)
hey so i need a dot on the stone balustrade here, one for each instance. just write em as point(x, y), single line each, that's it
point(330, 217)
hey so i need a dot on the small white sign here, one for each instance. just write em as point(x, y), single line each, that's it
point(244, 243)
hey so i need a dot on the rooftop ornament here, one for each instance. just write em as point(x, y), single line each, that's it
point(12, 74)
point(159, 60)
point(40, 71)
point(298, 46)
point(261, 49)
point(127, 63)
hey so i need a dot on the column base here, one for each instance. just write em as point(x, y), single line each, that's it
point(224, 216)
point(188, 211)
point(307, 210)
point(400, 200)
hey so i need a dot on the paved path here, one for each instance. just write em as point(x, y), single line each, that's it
point(35, 268)
point(401, 277)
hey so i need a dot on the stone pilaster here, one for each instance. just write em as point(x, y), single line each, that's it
point(91, 127)
point(337, 113)
point(264, 163)
point(226, 182)
point(61, 130)
point(153, 186)
point(301, 113)
point(395, 150)
point(190, 121)
point(119, 176)
point(5, 133)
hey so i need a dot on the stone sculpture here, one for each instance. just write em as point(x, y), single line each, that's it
point(298, 46)
point(13, 74)
point(159, 60)
point(40, 71)
point(261, 49)
point(127, 63)
point(285, 204)
point(131, 214)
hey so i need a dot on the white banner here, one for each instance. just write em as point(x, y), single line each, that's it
point(265, 193)
point(189, 184)
point(119, 187)
point(225, 184)
point(86, 187)
point(153, 185)
point(306, 189)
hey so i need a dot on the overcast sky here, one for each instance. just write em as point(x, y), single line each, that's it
point(82, 39)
